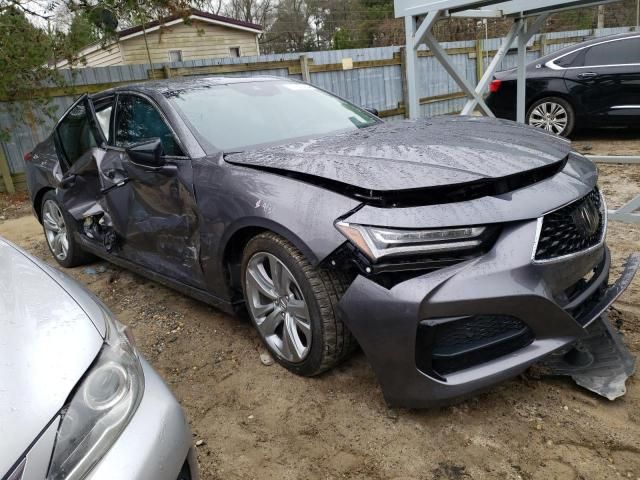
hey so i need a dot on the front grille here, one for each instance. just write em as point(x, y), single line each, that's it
point(572, 229)
point(581, 297)
point(467, 342)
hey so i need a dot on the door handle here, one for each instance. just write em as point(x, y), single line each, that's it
point(587, 75)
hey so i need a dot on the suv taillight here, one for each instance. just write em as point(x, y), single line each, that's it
point(495, 86)
point(28, 156)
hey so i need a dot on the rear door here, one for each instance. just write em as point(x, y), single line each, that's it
point(156, 211)
point(606, 80)
point(80, 145)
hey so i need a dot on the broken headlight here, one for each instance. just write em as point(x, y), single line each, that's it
point(380, 242)
point(101, 407)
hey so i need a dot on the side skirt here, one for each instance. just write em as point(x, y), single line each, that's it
point(196, 293)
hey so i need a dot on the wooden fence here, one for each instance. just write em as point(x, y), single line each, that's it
point(369, 77)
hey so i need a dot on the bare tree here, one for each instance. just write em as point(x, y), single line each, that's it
point(211, 6)
point(252, 11)
point(291, 30)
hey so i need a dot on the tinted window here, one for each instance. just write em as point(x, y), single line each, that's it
point(620, 52)
point(575, 59)
point(237, 115)
point(75, 134)
point(137, 120)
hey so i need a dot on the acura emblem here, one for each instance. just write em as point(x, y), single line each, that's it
point(587, 218)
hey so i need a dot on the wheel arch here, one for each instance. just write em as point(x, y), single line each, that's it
point(37, 201)
point(239, 234)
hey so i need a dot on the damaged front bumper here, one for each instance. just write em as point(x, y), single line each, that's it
point(454, 332)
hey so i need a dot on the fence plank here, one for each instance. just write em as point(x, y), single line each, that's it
point(6, 173)
point(304, 68)
point(376, 80)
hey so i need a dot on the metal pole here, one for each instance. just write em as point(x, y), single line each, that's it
point(412, 102)
point(522, 73)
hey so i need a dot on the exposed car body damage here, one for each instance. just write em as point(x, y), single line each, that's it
point(186, 220)
point(434, 162)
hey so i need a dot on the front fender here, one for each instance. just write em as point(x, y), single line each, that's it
point(231, 198)
point(265, 223)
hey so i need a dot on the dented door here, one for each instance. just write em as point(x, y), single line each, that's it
point(154, 213)
point(81, 146)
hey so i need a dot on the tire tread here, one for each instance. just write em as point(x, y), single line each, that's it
point(328, 286)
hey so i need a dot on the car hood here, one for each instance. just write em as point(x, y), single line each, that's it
point(410, 155)
point(47, 343)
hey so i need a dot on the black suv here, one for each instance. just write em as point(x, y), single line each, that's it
point(592, 84)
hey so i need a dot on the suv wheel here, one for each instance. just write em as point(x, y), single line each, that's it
point(552, 114)
point(58, 231)
point(294, 306)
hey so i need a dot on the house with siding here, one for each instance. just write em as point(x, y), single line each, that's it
point(180, 38)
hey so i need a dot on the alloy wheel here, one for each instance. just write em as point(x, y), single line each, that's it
point(278, 307)
point(55, 229)
point(550, 116)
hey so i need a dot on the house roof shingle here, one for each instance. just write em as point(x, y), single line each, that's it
point(193, 12)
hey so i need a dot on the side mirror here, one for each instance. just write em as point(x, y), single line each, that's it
point(373, 111)
point(148, 153)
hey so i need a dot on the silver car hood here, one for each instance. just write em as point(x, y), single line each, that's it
point(47, 343)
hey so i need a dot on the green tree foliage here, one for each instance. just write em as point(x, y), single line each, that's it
point(24, 53)
point(31, 43)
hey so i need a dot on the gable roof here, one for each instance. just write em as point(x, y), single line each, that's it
point(193, 15)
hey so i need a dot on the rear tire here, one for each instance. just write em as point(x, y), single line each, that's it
point(59, 230)
point(295, 314)
point(553, 114)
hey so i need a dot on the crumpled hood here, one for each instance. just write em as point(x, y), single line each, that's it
point(418, 154)
point(47, 343)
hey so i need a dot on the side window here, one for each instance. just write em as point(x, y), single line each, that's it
point(75, 134)
point(620, 52)
point(104, 109)
point(137, 120)
point(574, 59)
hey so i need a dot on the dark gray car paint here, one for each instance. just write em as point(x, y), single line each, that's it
point(578, 177)
point(176, 225)
point(425, 153)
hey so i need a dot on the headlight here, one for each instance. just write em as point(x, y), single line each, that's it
point(101, 407)
point(379, 242)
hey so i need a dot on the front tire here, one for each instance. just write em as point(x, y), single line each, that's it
point(553, 114)
point(294, 306)
point(59, 229)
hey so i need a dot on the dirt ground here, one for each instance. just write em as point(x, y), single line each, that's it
point(259, 421)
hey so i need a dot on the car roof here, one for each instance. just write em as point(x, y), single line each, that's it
point(586, 43)
point(166, 87)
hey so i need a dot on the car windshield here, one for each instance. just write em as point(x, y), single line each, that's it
point(235, 116)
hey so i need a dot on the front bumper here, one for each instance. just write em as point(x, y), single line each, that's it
point(504, 283)
point(157, 443)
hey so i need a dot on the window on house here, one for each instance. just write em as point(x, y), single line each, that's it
point(234, 51)
point(175, 55)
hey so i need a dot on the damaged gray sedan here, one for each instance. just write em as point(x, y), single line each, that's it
point(455, 251)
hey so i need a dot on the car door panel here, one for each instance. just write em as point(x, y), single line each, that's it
point(161, 231)
point(80, 147)
point(607, 81)
point(157, 223)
